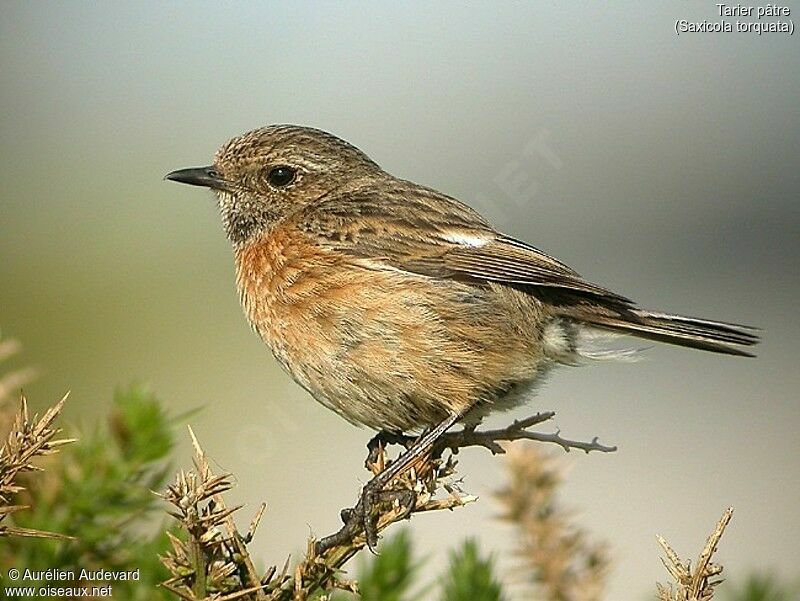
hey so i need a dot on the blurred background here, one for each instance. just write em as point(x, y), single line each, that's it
point(665, 167)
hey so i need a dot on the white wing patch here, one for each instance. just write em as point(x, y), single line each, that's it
point(467, 238)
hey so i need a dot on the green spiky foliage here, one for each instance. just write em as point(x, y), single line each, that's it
point(98, 491)
point(471, 576)
point(763, 587)
point(390, 576)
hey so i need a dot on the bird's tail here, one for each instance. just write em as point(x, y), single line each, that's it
point(715, 336)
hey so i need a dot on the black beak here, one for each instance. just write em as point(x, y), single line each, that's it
point(207, 177)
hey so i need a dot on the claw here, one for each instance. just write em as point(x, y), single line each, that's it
point(370, 526)
point(365, 510)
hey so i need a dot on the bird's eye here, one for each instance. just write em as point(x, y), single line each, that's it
point(281, 176)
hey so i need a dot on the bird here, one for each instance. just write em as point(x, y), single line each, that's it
point(399, 307)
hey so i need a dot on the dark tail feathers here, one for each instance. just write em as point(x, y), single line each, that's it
point(716, 336)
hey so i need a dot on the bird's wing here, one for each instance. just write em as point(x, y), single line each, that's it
point(424, 232)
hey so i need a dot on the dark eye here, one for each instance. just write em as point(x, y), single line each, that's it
point(281, 176)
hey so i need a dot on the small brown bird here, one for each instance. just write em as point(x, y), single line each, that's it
point(397, 306)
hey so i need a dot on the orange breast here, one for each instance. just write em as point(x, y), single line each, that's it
point(382, 347)
point(281, 279)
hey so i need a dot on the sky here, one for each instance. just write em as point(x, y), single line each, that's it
point(662, 166)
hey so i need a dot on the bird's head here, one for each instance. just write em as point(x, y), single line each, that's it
point(267, 174)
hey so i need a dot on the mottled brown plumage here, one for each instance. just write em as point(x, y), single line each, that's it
point(395, 305)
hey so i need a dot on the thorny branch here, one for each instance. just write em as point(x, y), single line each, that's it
point(491, 439)
point(697, 584)
point(361, 516)
point(28, 438)
point(214, 563)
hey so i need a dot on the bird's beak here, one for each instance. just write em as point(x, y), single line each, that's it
point(207, 177)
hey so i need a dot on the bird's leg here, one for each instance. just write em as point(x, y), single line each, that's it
point(371, 491)
point(360, 516)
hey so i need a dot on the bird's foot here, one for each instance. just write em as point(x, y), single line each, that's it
point(364, 516)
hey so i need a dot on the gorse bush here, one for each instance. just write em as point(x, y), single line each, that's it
point(98, 492)
point(91, 507)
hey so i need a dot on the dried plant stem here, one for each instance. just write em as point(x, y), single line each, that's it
point(27, 439)
point(491, 439)
point(214, 563)
point(432, 472)
point(697, 584)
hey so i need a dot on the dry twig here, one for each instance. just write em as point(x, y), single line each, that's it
point(214, 560)
point(415, 490)
point(697, 584)
point(213, 563)
point(27, 439)
point(491, 439)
